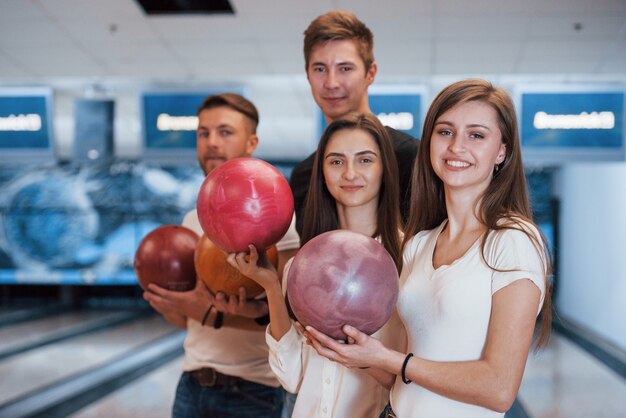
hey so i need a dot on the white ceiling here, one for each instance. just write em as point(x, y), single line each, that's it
point(42, 39)
point(112, 41)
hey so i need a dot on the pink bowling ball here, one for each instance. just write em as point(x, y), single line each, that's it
point(245, 201)
point(343, 278)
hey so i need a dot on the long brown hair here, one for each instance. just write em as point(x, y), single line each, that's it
point(505, 198)
point(320, 211)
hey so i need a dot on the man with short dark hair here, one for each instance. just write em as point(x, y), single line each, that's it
point(340, 67)
point(225, 370)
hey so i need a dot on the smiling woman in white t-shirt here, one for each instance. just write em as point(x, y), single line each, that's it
point(475, 272)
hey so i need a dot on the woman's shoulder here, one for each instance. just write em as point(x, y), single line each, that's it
point(515, 233)
point(419, 237)
point(422, 237)
point(516, 225)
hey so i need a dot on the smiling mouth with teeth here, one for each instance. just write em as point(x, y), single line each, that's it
point(457, 163)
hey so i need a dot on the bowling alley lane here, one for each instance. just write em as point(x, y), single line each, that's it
point(32, 332)
point(13, 313)
point(561, 381)
point(35, 369)
point(151, 396)
point(564, 381)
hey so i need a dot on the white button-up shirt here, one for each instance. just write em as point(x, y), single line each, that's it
point(326, 389)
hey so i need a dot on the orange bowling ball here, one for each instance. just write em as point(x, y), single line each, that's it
point(219, 276)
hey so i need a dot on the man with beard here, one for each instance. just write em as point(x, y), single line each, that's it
point(225, 370)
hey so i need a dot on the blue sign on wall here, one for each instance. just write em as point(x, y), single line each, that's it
point(170, 120)
point(400, 111)
point(396, 107)
point(562, 126)
point(24, 122)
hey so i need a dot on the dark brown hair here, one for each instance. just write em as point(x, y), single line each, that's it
point(505, 198)
point(339, 25)
point(235, 102)
point(320, 211)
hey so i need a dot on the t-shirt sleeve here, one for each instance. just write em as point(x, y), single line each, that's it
point(192, 222)
point(411, 247)
point(291, 239)
point(409, 251)
point(518, 257)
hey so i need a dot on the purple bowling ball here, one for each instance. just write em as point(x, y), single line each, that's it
point(343, 278)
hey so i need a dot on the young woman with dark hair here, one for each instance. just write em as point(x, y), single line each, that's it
point(354, 186)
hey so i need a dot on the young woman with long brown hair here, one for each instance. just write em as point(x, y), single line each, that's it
point(354, 186)
point(475, 270)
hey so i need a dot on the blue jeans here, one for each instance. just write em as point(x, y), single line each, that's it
point(387, 412)
point(244, 400)
point(290, 402)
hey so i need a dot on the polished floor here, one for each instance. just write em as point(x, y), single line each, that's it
point(561, 381)
point(34, 369)
point(564, 381)
point(151, 396)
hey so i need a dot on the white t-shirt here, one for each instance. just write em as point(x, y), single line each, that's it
point(325, 388)
point(446, 311)
point(234, 352)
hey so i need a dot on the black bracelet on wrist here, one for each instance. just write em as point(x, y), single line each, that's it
point(206, 315)
point(406, 361)
point(219, 319)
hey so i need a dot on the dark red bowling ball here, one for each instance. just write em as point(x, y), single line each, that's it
point(165, 257)
point(343, 278)
point(245, 201)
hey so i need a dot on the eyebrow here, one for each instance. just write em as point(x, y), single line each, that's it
point(336, 63)
point(221, 126)
point(359, 153)
point(471, 125)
